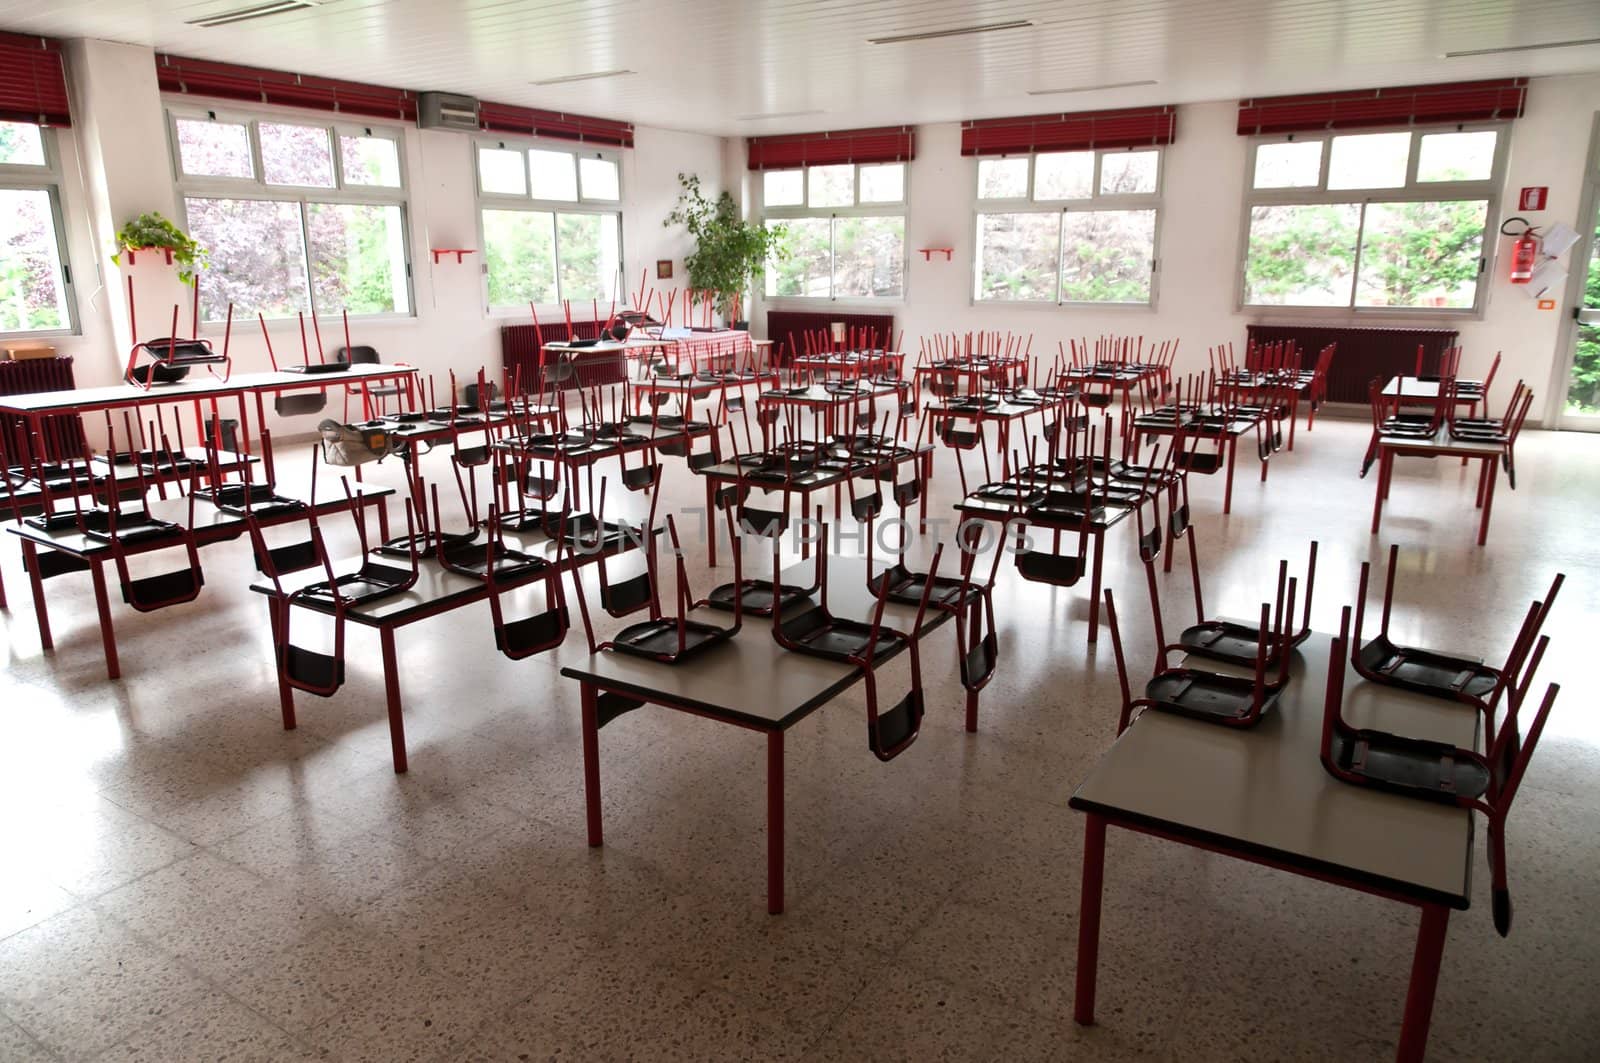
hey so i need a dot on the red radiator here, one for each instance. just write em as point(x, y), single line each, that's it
point(1363, 353)
point(786, 328)
point(63, 436)
point(520, 351)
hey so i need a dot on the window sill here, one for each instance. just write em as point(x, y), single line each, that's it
point(1372, 315)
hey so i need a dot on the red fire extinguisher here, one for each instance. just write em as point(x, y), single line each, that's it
point(1525, 253)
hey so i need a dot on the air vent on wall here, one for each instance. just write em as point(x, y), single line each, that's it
point(442, 110)
point(255, 11)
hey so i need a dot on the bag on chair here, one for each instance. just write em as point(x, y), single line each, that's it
point(344, 444)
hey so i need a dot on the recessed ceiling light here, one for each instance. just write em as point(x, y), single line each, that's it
point(776, 114)
point(254, 11)
point(929, 35)
point(591, 76)
point(1522, 48)
point(1091, 88)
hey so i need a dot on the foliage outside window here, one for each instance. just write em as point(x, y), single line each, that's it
point(846, 231)
point(552, 225)
point(1370, 221)
point(1583, 388)
point(295, 217)
point(35, 281)
point(1068, 227)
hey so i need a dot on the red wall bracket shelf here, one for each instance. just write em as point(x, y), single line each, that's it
point(929, 252)
point(461, 253)
point(132, 250)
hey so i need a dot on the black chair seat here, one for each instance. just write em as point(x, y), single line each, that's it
point(897, 727)
point(899, 584)
point(315, 673)
point(149, 593)
point(1204, 462)
point(756, 595)
point(979, 662)
point(658, 639)
point(814, 632)
point(1410, 766)
point(1207, 695)
point(374, 581)
point(531, 634)
point(1426, 672)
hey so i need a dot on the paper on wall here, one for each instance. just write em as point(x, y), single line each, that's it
point(1559, 239)
point(1548, 277)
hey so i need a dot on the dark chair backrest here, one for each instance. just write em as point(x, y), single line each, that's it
point(359, 354)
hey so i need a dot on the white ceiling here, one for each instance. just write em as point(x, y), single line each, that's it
point(705, 65)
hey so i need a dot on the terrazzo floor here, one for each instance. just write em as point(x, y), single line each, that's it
point(183, 880)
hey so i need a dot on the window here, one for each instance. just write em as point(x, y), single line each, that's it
point(35, 282)
point(1068, 227)
point(847, 230)
point(1388, 220)
point(552, 225)
point(296, 216)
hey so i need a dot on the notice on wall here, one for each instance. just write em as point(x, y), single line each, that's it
point(1548, 277)
point(1559, 239)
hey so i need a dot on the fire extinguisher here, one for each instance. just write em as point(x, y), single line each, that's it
point(1525, 253)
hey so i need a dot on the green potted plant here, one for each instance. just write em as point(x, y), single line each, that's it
point(730, 254)
point(152, 231)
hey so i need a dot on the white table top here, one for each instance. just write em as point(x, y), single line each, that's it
point(1441, 443)
point(1263, 792)
point(199, 385)
point(1421, 390)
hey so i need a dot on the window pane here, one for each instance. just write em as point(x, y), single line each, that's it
point(1129, 173)
point(554, 176)
point(296, 155)
point(1301, 255)
point(1371, 160)
point(806, 270)
point(1456, 156)
point(783, 188)
point(32, 294)
point(21, 144)
point(257, 257)
point(1106, 255)
point(214, 149)
point(1017, 255)
point(1421, 254)
point(520, 253)
point(502, 171)
point(358, 258)
point(869, 256)
point(599, 178)
point(1063, 175)
point(588, 245)
point(1291, 165)
point(1002, 178)
point(373, 161)
point(883, 184)
point(832, 186)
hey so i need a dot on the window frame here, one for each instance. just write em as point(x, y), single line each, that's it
point(1412, 191)
point(1095, 202)
point(256, 188)
point(856, 209)
point(49, 179)
point(555, 207)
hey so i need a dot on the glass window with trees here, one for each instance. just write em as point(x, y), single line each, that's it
point(1068, 227)
point(847, 231)
point(296, 216)
point(552, 224)
point(1371, 221)
point(35, 280)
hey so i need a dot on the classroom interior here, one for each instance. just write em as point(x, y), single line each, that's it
point(717, 531)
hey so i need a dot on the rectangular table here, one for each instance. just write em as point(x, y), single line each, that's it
point(1261, 794)
point(827, 404)
point(1439, 445)
point(1421, 391)
point(749, 681)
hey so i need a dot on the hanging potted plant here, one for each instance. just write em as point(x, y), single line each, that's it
point(730, 254)
point(153, 232)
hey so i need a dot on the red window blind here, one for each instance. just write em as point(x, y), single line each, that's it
point(201, 77)
point(33, 82)
point(1128, 128)
point(530, 121)
point(785, 151)
point(1464, 101)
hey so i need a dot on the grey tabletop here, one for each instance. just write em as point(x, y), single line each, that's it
point(1262, 791)
point(200, 387)
point(1424, 390)
point(1441, 443)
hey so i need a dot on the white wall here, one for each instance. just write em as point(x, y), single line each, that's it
point(1200, 231)
point(119, 166)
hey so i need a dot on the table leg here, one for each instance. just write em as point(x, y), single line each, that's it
point(382, 505)
point(1094, 868)
point(1424, 980)
point(922, 503)
point(275, 618)
point(1227, 489)
point(972, 712)
point(1294, 410)
point(102, 603)
point(775, 823)
point(1380, 489)
point(1491, 464)
point(391, 690)
point(30, 561)
point(591, 759)
point(1094, 587)
point(711, 522)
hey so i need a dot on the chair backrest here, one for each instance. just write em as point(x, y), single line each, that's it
point(357, 354)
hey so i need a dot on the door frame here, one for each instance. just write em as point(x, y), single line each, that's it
point(1577, 281)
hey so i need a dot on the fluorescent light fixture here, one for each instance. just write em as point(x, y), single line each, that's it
point(776, 114)
point(929, 35)
point(254, 11)
point(1522, 48)
point(592, 76)
point(1091, 88)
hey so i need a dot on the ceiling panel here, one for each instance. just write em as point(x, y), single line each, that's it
point(708, 65)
